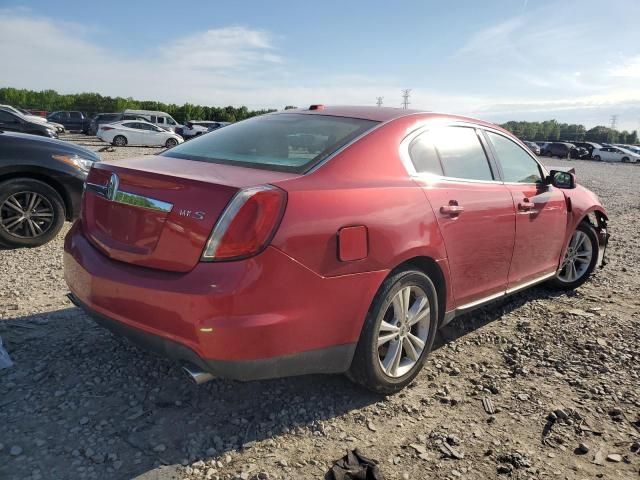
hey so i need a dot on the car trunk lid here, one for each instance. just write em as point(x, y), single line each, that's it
point(158, 211)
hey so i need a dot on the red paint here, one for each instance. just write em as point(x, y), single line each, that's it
point(345, 227)
point(352, 243)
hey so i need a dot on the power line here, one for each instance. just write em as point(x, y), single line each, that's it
point(379, 101)
point(406, 93)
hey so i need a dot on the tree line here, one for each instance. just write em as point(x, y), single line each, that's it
point(92, 103)
point(553, 131)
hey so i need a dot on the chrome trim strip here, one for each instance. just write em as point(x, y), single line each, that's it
point(451, 314)
point(132, 199)
point(530, 283)
point(477, 303)
point(142, 202)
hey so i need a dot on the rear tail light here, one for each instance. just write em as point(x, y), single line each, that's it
point(106, 128)
point(247, 225)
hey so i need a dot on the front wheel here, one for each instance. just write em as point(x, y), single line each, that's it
point(397, 334)
point(31, 213)
point(579, 259)
point(625, 160)
point(171, 142)
point(597, 158)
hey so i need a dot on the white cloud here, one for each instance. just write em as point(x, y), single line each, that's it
point(223, 48)
point(239, 65)
point(629, 69)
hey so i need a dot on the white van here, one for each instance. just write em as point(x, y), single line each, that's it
point(161, 119)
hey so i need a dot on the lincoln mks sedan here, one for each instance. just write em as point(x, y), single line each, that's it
point(324, 240)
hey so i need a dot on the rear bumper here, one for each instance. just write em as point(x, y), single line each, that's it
point(326, 360)
point(263, 317)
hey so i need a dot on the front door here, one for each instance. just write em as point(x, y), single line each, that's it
point(473, 209)
point(10, 122)
point(541, 212)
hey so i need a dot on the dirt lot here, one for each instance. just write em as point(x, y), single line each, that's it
point(560, 372)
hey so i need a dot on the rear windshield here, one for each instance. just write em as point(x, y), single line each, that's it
point(287, 142)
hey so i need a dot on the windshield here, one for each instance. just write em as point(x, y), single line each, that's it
point(285, 142)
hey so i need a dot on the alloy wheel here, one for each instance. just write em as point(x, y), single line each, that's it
point(403, 331)
point(26, 215)
point(577, 258)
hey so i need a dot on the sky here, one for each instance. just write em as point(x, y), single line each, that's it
point(577, 61)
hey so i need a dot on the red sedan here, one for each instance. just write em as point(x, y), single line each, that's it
point(324, 240)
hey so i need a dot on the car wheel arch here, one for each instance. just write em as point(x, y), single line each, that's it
point(429, 267)
point(66, 198)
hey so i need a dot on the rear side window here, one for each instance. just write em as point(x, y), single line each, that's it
point(287, 142)
point(424, 156)
point(517, 164)
point(461, 153)
point(75, 115)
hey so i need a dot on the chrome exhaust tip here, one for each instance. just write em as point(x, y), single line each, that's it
point(198, 376)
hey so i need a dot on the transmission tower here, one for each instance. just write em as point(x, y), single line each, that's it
point(406, 93)
point(379, 101)
point(614, 121)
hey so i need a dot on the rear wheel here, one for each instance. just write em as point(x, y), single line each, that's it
point(579, 260)
point(171, 142)
point(398, 333)
point(120, 141)
point(31, 213)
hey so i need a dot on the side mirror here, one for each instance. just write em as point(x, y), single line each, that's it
point(560, 179)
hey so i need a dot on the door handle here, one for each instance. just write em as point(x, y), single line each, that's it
point(453, 209)
point(526, 205)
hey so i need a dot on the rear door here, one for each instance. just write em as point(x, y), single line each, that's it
point(473, 208)
point(75, 121)
point(133, 132)
point(541, 212)
point(616, 154)
point(149, 135)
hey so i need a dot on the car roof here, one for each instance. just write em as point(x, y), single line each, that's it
point(381, 114)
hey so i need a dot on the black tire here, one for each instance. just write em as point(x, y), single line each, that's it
point(625, 159)
point(597, 158)
point(557, 283)
point(365, 369)
point(119, 141)
point(170, 143)
point(49, 194)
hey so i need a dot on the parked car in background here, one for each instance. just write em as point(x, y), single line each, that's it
point(102, 118)
point(615, 154)
point(32, 118)
point(194, 128)
point(41, 182)
point(137, 132)
point(241, 257)
point(564, 150)
point(589, 146)
point(16, 122)
point(72, 120)
point(160, 119)
point(631, 148)
point(534, 147)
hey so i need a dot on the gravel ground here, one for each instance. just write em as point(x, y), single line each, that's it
point(541, 385)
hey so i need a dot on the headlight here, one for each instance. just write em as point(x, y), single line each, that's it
point(75, 161)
